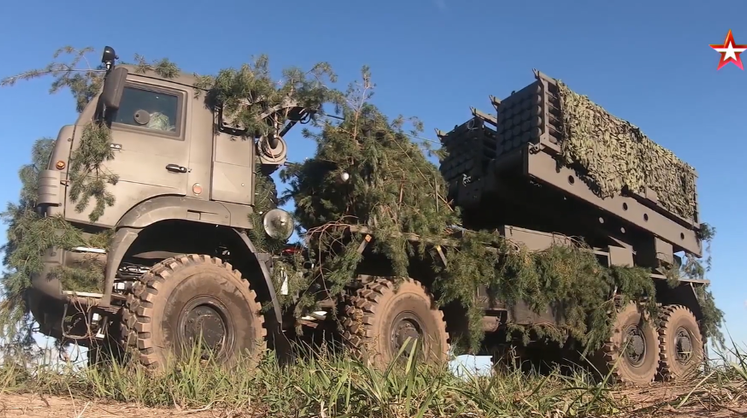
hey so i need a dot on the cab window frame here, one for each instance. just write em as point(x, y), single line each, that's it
point(178, 134)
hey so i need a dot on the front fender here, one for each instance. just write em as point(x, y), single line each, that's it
point(182, 208)
point(186, 208)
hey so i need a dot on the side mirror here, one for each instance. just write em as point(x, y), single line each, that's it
point(108, 57)
point(114, 87)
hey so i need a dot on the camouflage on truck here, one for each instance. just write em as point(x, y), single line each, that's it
point(616, 155)
point(612, 155)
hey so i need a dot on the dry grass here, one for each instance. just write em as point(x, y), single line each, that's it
point(325, 385)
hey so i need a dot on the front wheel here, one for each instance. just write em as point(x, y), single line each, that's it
point(189, 299)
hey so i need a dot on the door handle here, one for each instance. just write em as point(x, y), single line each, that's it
point(176, 168)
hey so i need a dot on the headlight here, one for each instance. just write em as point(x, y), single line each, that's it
point(278, 224)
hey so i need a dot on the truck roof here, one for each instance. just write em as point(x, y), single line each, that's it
point(182, 78)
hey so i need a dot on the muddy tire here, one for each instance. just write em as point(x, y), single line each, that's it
point(189, 298)
point(379, 316)
point(681, 344)
point(637, 363)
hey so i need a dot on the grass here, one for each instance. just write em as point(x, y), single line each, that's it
point(325, 385)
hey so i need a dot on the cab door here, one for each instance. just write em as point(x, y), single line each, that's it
point(151, 150)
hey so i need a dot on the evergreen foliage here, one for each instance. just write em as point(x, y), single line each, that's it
point(265, 199)
point(28, 236)
point(566, 278)
point(88, 179)
point(694, 268)
point(391, 188)
point(396, 193)
point(18, 218)
point(263, 105)
point(251, 98)
point(84, 83)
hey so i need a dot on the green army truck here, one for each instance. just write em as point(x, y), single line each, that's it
point(180, 264)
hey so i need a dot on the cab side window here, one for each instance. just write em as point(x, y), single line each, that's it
point(152, 110)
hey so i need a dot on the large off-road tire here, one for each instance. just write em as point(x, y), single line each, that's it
point(637, 363)
point(189, 298)
point(379, 316)
point(680, 342)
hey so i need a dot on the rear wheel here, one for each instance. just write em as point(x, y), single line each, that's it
point(189, 299)
point(680, 342)
point(631, 354)
point(381, 319)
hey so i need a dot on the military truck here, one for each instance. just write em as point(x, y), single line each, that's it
point(180, 257)
point(181, 265)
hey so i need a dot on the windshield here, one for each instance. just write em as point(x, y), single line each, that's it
point(148, 109)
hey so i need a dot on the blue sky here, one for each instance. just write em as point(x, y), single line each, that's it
point(648, 62)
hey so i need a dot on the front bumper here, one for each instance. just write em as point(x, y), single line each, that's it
point(46, 281)
point(47, 297)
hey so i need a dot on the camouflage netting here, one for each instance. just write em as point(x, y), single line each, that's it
point(367, 171)
point(616, 155)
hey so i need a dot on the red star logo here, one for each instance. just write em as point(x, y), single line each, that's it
point(730, 52)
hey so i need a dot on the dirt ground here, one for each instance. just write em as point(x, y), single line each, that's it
point(652, 402)
point(56, 407)
point(664, 401)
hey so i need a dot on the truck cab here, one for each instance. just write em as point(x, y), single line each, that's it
point(175, 175)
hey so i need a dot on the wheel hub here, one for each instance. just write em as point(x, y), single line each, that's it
point(203, 321)
point(635, 352)
point(405, 326)
point(683, 345)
